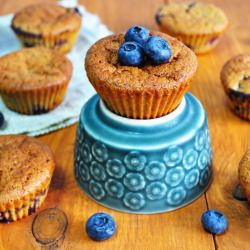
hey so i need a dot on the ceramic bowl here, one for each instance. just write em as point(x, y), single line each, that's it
point(143, 166)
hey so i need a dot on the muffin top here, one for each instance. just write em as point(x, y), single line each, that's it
point(32, 68)
point(236, 74)
point(192, 18)
point(103, 67)
point(26, 164)
point(46, 19)
point(244, 173)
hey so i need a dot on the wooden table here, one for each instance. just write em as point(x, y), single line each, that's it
point(179, 229)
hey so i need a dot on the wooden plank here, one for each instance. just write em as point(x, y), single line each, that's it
point(121, 14)
point(230, 136)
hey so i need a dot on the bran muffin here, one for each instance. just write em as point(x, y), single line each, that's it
point(144, 92)
point(26, 169)
point(34, 80)
point(47, 25)
point(198, 25)
point(235, 78)
point(244, 173)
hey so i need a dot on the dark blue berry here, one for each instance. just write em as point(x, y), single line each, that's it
point(157, 49)
point(1, 119)
point(100, 226)
point(214, 222)
point(137, 34)
point(131, 54)
point(239, 194)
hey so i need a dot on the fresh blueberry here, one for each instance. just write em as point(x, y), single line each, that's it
point(157, 49)
point(214, 222)
point(100, 226)
point(1, 119)
point(131, 54)
point(239, 194)
point(137, 34)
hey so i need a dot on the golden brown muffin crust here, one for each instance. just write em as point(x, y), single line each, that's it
point(244, 173)
point(192, 18)
point(103, 67)
point(25, 164)
point(46, 19)
point(34, 68)
point(236, 74)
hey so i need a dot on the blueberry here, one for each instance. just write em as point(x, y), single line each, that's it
point(1, 119)
point(137, 34)
point(100, 226)
point(214, 222)
point(131, 54)
point(157, 49)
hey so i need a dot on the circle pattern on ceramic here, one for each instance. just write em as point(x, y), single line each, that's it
point(145, 178)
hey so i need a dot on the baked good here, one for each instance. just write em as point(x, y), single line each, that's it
point(235, 78)
point(26, 168)
point(34, 80)
point(244, 173)
point(141, 92)
point(198, 25)
point(47, 25)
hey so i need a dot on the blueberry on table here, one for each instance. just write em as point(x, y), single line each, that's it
point(157, 49)
point(131, 54)
point(214, 222)
point(100, 226)
point(137, 34)
point(1, 119)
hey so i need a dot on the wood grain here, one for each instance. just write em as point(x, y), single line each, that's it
point(180, 229)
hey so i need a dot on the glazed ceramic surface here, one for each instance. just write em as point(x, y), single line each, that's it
point(143, 166)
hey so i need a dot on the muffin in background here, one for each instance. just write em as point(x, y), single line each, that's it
point(140, 92)
point(34, 80)
point(244, 173)
point(235, 78)
point(26, 167)
point(198, 25)
point(47, 25)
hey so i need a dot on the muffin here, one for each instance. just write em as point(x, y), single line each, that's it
point(244, 173)
point(47, 25)
point(26, 167)
point(34, 80)
point(235, 78)
point(140, 92)
point(198, 25)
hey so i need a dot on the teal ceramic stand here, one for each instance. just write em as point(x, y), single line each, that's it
point(143, 166)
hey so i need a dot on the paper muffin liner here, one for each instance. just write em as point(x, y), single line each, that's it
point(199, 43)
point(24, 206)
point(34, 101)
point(239, 103)
point(142, 105)
point(63, 42)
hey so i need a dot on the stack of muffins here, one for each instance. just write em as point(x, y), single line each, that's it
point(35, 80)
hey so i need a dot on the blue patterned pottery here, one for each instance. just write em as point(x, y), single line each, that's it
point(143, 166)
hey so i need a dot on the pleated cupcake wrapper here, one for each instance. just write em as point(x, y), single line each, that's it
point(199, 43)
point(143, 105)
point(24, 209)
point(63, 42)
point(34, 101)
